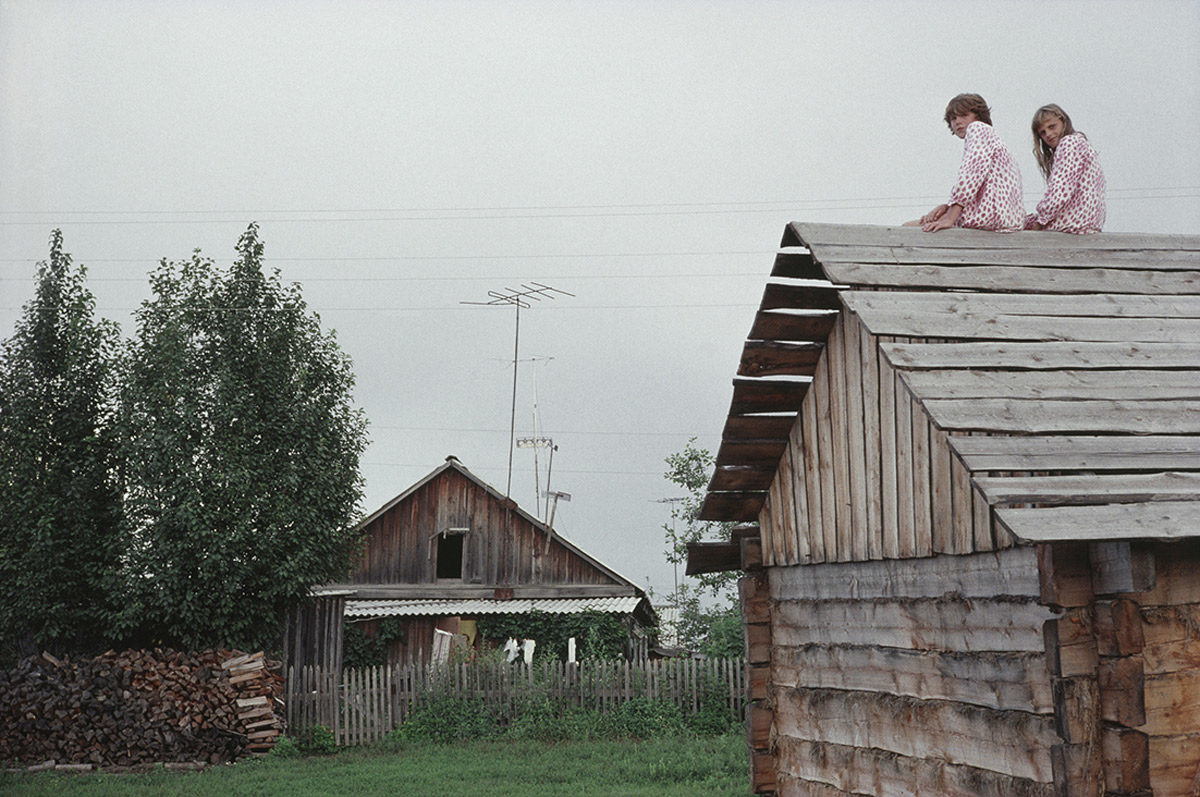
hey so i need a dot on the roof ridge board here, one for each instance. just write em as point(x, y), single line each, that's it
point(815, 234)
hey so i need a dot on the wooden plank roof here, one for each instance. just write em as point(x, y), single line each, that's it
point(1073, 355)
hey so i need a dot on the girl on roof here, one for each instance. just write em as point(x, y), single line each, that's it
point(1074, 200)
point(987, 194)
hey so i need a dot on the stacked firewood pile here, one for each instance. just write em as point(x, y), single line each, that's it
point(139, 707)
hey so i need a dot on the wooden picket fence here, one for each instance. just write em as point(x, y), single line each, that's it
point(362, 705)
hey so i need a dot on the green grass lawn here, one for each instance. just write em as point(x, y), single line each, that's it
point(662, 766)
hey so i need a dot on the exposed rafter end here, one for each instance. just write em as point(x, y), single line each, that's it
point(736, 505)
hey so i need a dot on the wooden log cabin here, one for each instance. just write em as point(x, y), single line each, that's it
point(446, 551)
point(967, 466)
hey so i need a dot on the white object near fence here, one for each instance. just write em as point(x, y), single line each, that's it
point(442, 642)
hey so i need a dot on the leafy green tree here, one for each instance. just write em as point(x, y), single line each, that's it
point(60, 509)
point(242, 449)
point(702, 627)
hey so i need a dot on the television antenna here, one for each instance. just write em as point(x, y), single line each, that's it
point(674, 502)
point(522, 298)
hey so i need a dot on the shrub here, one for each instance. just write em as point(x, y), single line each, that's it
point(548, 720)
point(317, 740)
point(713, 717)
point(642, 718)
point(286, 747)
point(447, 719)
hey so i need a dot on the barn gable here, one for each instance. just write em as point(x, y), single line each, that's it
point(447, 551)
point(965, 453)
point(502, 545)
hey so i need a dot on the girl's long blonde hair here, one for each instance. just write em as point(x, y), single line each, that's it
point(1043, 153)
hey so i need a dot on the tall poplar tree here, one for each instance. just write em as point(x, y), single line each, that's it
point(242, 446)
point(60, 510)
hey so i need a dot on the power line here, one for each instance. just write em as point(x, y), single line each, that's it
point(564, 211)
point(516, 208)
point(389, 258)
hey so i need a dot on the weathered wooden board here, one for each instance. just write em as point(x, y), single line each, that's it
point(999, 624)
point(786, 543)
point(1089, 489)
point(796, 262)
point(804, 326)
point(1014, 416)
point(861, 545)
point(906, 526)
point(1010, 572)
point(1090, 305)
point(1010, 681)
point(767, 395)
point(1173, 763)
point(799, 488)
point(840, 443)
point(956, 733)
point(757, 427)
point(1172, 703)
point(1000, 259)
point(825, 455)
point(778, 358)
point(733, 505)
point(713, 557)
point(901, 319)
point(1078, 452)
point(941, 496)
point(793, 296)
point(888, 457)
point(853, 770)
point(1015, 278)
point(1033, 356)
point(756, 453)
point(1171, 642)
point(1177, 576)
point(1164, 520)
point(741, 477)
point(1067, 385)
point(922, 493)
point(812, 478)
point(814, 235)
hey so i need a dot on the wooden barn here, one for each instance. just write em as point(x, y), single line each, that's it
point(446, 551)
point(967, 466)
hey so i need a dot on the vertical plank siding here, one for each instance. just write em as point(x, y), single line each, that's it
point(499, 547)
point(362, 705)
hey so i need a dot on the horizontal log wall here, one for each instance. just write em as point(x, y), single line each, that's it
point(913, 676)
point(1166, 659)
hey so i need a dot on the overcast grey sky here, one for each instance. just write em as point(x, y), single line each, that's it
point(404, 157)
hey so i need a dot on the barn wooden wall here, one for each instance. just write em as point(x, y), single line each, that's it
point(313, 635)
point(865, 474)
point(502, 547)
point(1128, 646)
point(919, 676)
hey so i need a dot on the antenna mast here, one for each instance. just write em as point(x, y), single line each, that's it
point(534, 291)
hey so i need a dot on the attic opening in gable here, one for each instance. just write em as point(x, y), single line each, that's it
point(450, 553)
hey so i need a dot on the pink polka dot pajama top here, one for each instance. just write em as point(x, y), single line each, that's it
point(989, 183)
point(1074, 200)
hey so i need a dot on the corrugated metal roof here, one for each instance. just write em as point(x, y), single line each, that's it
point(380, 608)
